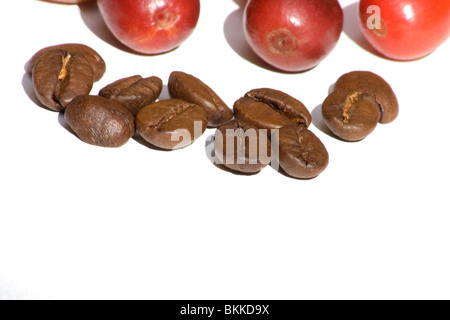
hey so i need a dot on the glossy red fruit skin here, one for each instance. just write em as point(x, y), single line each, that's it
point(410, 29)
point(293, 35)
point(68, 1)
point(151, 26)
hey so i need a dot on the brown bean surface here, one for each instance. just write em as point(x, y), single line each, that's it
point(96, 61)
point(373, 84)
point(241, 147)
point(284, 104)
point(60, 76)
point(351, 115)
point(166, 122)
point(301, 154)
point(189, 88)
point(134, 93)
point(100, 121)
point(271, 109)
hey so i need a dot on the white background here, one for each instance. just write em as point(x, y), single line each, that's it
point(78, 221)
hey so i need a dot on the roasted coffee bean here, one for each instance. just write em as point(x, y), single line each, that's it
point(60, 76)
point(368, 82)
point(97, 63)
point(189, 88)
point(271, 109)
point(171, 124)
point(242, 147)
point(301, 154)
point(100, 121)
point(134, 92)
point(351, 115)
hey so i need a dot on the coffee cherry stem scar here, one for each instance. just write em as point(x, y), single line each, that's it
point(282, 41)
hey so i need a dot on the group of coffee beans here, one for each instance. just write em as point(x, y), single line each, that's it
point(269, 126)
